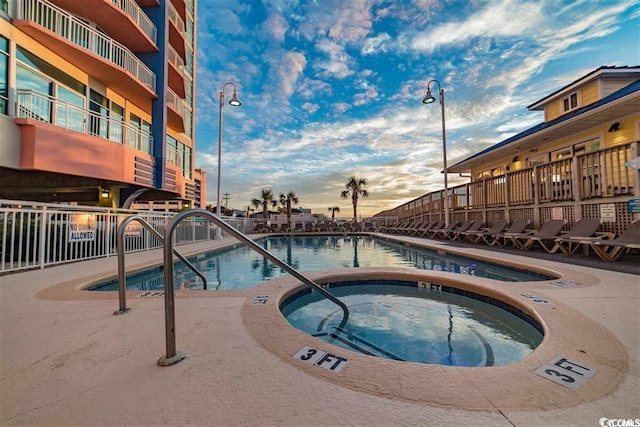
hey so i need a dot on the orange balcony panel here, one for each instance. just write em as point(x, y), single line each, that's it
point(174, 181)
point(46, 147)
point(103, 70)
point(181, 7)
point(113, 20)
point(177, 40)
point(176, 81)
point(175, 120)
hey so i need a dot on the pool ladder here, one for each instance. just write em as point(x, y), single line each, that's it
point(172, 356)
point(122, 273)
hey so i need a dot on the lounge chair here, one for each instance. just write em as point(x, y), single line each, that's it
point(308, 227)
point(411, 230)
point(549, 230)
point(445, 234)
point(434, 226)
point(440, 231)
point(284, 228)
point(496, 228)
point(570, 241)
point(404, 226)
point(476, 236)
point(422, 229)
point(611, 250)
point(518, 226)
point(297, 228)
point(459, 233)
point(259, 228)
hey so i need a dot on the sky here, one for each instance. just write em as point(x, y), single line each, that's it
point(334, 88)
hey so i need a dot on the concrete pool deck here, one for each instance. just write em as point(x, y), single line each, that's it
point(65, 359)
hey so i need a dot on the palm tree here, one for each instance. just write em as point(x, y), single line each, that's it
point(333, 210)
point(266, 198)
point(286, 202)
point(355, 189)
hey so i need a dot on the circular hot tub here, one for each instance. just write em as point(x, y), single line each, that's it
point(416, 322)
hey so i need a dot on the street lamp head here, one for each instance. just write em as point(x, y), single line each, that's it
point(429, 98)
point(234, 101)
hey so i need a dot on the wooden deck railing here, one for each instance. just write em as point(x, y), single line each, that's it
point(592, 175)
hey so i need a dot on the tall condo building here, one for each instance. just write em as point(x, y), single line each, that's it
point(97, 101)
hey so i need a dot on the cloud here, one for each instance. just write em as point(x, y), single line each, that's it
point(276, 26)
point(285, 68)
point(373, 45)
point(346, 22)
point(310, 108)
point(514, 18)
point(338, 63)
point(311, 88)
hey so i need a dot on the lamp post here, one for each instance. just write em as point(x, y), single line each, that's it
point(428, 99)
point(234, 102)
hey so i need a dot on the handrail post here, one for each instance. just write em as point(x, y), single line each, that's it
point(172, 356)
point(122, 276)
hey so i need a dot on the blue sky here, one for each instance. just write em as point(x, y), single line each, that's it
point(333, 88)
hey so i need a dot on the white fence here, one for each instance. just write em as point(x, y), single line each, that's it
point(38, 235)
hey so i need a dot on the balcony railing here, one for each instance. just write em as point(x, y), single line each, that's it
point(131, 8)
point(175, 59)
point(173, 157)
point(73, 29)
point(44, 108)
point(587, 176)
point(176, 18)
point(176, 102)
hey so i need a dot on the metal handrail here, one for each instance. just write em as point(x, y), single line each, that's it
point(122, 277)
point(172, 356)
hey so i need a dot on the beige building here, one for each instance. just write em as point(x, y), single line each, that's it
point(581, 162)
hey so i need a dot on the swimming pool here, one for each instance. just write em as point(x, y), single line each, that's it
point(402, 321)
point(238, 267)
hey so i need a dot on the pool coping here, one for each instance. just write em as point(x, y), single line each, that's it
point(469, 388)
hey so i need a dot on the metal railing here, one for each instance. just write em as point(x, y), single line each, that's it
point(132, 9)
point(78, 32)
point(176, 18)
point(175, 59)
point(122, 273)
point(45, 108)
point(40, 235)
point(176, 102)
point(172, 356)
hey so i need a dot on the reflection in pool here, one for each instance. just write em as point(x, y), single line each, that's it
point(239, 267)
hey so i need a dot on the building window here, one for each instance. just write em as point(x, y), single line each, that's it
point(99, 107)
point(570, 102)
point(139, 134)
point(4, 74)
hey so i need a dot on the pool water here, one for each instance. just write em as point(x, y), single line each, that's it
point(240, 267)
point(401, 322)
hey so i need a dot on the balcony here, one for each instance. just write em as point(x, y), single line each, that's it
point(60, 137)
point(177, 31)
point(181, 7)
point(34, 106)
point(142, 3)
point(121, 19)
point(176, 111)
point(98, 55)
point(176, 72)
